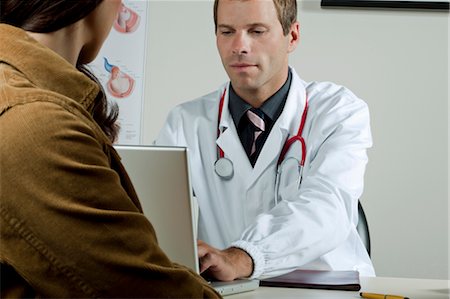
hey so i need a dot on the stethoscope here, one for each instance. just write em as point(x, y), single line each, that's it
point(224, 167)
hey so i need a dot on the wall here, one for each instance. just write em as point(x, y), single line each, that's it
point(397, 61)
point(448, 141)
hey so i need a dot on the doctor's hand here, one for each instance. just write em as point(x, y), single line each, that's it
point(224, 265)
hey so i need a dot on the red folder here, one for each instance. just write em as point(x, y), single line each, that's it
point(315, 279)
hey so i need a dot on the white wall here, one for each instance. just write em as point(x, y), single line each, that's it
point(397, 61)
point(448, 139)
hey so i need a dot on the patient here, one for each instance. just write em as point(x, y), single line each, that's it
point(70, 222)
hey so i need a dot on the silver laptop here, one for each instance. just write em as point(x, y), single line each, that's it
point(162, 181)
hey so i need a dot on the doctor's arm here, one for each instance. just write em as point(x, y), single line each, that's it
point(316, 218)
point(224, 265)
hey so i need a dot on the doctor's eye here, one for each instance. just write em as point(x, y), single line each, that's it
point(225, 32)
point(257, 31)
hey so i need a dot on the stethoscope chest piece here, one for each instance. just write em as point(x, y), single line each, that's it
point(224, 168)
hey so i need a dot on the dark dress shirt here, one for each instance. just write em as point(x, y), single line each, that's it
point(271, 110)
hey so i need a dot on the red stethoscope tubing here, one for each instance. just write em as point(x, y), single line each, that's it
point(288, 142)
point(295, 138)
point(221, 153)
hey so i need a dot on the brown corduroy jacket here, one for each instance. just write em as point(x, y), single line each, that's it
point(70, 222)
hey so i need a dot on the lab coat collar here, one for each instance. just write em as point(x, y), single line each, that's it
point(229, 140)
point(290, 118)
point(226, 119)
point(287, 124)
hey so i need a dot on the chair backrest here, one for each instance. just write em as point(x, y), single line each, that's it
point(363, 227)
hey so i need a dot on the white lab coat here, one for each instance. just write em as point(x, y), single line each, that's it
point(313, 226)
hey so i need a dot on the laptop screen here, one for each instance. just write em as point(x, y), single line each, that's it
point(160, 176)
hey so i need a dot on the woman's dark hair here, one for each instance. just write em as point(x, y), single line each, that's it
point(44, 16)
point(103, 112)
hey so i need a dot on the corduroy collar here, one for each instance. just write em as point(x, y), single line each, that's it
point(43, 67)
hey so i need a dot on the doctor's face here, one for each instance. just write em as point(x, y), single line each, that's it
point(252, 46)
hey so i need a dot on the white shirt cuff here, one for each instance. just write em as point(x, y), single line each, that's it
point(259, 262)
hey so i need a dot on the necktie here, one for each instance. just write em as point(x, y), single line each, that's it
point(256, 118)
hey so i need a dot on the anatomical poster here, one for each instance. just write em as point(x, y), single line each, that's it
point(120, 67)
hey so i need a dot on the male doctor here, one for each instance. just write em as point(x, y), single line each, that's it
point(277, 163)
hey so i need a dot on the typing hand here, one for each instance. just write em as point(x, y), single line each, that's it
point(224, 265)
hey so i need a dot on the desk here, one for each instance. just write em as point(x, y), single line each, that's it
point(412, 288)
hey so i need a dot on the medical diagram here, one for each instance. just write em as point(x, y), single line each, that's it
point(120, 67)
point(127, 20)
point(120, 84)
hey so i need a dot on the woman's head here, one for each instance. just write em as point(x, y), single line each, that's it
point(43, 16)
point(47, 16)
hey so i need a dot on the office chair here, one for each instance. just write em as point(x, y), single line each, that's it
point(363, 227)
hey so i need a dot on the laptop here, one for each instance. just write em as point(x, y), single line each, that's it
point(161, 177)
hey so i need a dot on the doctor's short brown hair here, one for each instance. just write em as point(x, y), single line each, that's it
point(286, 11)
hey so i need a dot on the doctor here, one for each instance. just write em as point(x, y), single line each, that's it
point(277, 163)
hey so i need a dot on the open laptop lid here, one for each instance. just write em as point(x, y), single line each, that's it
point(160, 176)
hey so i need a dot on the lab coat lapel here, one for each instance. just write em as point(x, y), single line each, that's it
point(230, 143)
point(287, 124)
point(269, 153)
point(293, 109)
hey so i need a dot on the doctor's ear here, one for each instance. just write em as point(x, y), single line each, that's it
point(294, 36)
